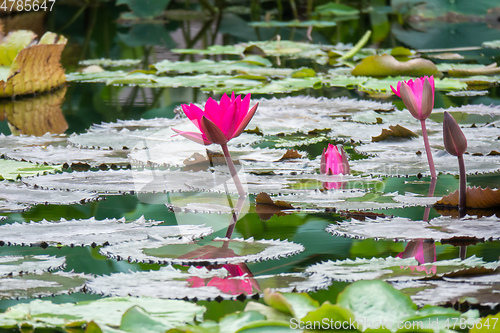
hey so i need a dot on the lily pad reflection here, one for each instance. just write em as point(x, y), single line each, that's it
point(218, 251)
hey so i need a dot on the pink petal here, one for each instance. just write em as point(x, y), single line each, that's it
point(194, 113)
point(193, 136)
point(213, 133)
point(245, 121)
point(213, 112)
point(411, 102)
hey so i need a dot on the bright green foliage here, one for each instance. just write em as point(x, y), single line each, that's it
point(12, 170)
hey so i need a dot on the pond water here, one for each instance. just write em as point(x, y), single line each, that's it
point(327, 225)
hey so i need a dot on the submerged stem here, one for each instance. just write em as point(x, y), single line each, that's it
point(428, 150)
point(462, 203)
point(432, 188)
point(232, 170)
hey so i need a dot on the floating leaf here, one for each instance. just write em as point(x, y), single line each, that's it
point(491, 69)
point(14, 169)
point(397, 131)
point(266, 207)
point(110, 62)
point(70, 156)
point(391, 269)
point(289, 155)
point(494, 44)
point(171, 251)
point(298, 305)
point(387, 65)
point(25, 75)
point(93, 232)
point(10, 142)
point(200, 283)
point(403, 229)
point(38, 285)
point(19, 265)
point(438, 292)
point(476, 198)
point(106, 311)
point(20, 193)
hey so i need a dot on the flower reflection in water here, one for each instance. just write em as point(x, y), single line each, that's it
point(238, 281)
point(424, 251)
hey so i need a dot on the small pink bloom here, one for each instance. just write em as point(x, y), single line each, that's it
point(334, 162)
point(417, 95)
point(219, 122)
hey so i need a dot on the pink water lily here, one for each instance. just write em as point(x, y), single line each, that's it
point(219, 122)
point(424, 252)
point(417, 95)
point(334, 162)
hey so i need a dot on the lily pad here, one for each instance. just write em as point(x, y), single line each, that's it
point(21, 194)
point(201, 283)
point(38, 285)
point(293, 24)
point(391, 269)
point(12, 170)
point(107, 311)
point(387, 65)
point(110, 62)
point(70, 156)
point(9, 142)
point(218, 251)
point(18, 265)
point(94, 232)
point(403, 229)
point(453, 293)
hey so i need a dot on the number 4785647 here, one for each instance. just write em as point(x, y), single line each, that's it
point(27, 6)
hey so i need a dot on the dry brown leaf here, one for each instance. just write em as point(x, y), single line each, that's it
point(397, 131)
point(265, 206)
point(36, 68)
point(289, 155)
point(35, 116)
point(476, 198)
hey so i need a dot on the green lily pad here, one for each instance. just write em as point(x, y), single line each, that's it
point(387, 65)
point(12, 170)
point(335, 9)
point(106, 311)
point(293, 24)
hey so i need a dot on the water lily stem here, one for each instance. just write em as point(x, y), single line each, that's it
point(428, 150)
point(432, 188)
point(232, 170)
point(462, 202)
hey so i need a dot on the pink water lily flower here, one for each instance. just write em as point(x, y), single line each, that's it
point(334, 162)
point(219, 122)
point(417, 95)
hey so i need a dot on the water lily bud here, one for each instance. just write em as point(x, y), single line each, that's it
point(454, 139)
point(333, 161)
